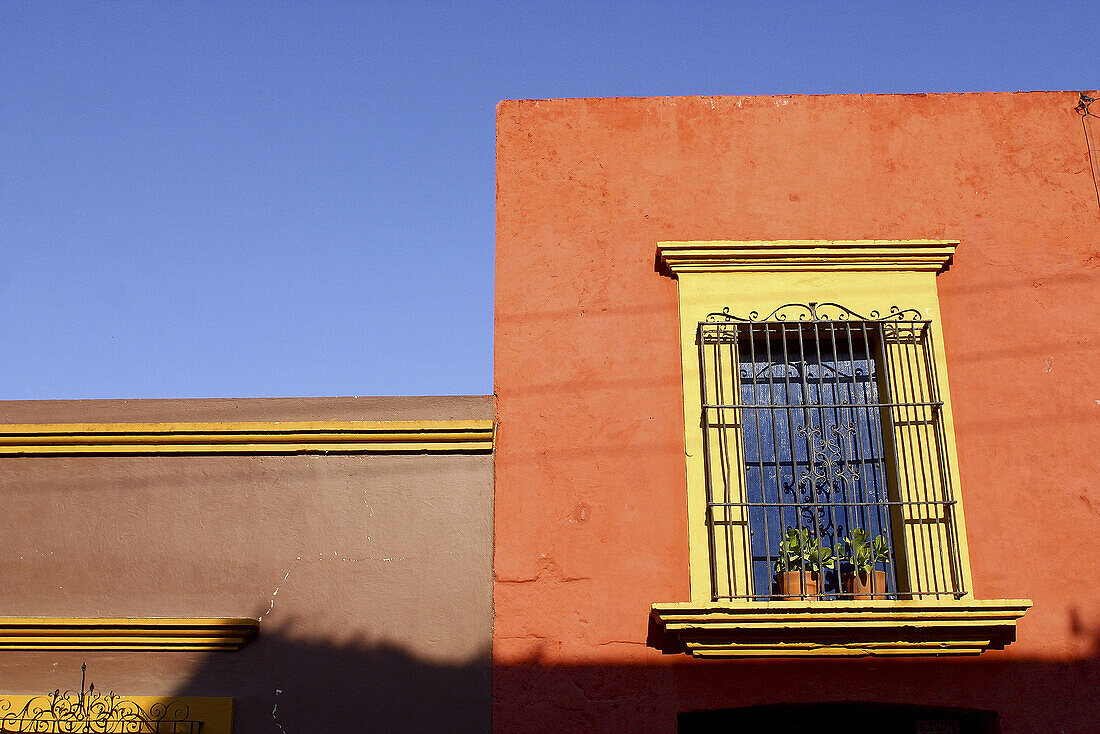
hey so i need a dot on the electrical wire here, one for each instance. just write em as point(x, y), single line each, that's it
point(1083, 110)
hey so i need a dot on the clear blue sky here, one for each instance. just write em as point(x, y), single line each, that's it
point(276, 199)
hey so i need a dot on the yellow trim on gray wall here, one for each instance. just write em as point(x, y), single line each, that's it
point(273, 437)
point(107, 633)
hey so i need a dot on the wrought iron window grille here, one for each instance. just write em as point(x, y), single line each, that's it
point(825, 456)
point(88, 712)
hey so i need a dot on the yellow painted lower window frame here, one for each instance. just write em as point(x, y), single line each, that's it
point(841, 629)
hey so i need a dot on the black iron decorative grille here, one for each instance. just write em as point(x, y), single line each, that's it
point(88, 712)
point(825, 456)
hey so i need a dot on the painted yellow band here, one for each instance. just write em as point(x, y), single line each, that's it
point(103, 633)
point(274, 437)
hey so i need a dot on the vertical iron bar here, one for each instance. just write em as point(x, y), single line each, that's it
point(913, 480)
point(759, 448)
point(791, 433)
point(775, 444)
point(881, 511)
point(943, 459)
point(744, 524)
point(856, 455)
point(707, 469)
point(831, 482)
point(915, 389)
point(900, 477)
point(724, 457)
point(882, 481)
point(858, 397)
point(844, 509)
point(810, 447)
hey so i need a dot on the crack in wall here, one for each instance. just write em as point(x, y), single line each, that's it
point(275, 593)
point(548, 570)
point(342, 559)
point(275, 709)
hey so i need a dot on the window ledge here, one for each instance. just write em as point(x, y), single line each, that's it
point(841, 628)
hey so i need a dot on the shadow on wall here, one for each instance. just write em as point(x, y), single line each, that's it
point(994, 693)
point(287, 685)
point(1032, 697)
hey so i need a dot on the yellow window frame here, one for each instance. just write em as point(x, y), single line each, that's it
point(865, 276)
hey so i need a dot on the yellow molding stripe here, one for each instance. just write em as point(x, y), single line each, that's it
point(843, 628)
point(104, 633)
point(717, 256)
point(273, 437)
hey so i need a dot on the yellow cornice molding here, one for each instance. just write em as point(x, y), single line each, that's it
point(719, 256)
point(273, 437)
point(136, 634)
point(841, 628)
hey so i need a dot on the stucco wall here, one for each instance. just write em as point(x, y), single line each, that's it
point(590, 505)
point(371, 573)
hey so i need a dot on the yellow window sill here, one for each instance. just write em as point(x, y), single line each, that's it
point(841, 628)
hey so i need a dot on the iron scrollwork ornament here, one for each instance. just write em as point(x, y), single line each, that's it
point(816, 311)
point(88, 712)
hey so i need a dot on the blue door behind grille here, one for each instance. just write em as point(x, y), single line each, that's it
point(799, 453)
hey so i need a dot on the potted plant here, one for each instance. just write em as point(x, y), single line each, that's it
point(861, 555)
point(801, 559)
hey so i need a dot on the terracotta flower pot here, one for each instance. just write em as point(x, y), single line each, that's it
point(799, 583)
point(863, 585)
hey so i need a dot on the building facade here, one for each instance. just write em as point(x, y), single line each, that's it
point(721, 320)
point(793, 430)
point(247, 565)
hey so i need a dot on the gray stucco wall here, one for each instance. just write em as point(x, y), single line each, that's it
point(371, 573)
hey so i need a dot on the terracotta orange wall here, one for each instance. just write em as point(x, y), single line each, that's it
point(590, 494)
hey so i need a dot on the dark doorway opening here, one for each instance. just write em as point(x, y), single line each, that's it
point(839, 718)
